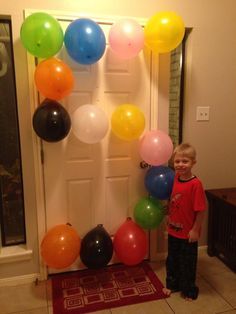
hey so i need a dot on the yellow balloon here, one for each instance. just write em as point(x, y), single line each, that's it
point(127, 122)
point(164, 31)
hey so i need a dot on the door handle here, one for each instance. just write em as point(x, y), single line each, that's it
point(144, 165)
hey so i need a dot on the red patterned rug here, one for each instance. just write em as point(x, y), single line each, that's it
point(89, 290)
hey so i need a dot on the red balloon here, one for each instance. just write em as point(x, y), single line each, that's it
point(60, 246)
point(130, 243)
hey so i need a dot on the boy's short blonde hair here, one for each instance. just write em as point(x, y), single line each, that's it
point(186, 150)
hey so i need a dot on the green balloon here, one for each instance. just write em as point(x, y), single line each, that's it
point(148, 213)
point(41, 35)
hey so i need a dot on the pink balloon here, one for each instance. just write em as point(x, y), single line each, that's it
point(155, 147)
point(126, 38)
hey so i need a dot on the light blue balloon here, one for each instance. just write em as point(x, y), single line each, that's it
point(85, 41)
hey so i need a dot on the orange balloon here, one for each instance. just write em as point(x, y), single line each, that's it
point(60, 246)
point(54, 79)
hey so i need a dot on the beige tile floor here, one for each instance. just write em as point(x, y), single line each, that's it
point(217, 285)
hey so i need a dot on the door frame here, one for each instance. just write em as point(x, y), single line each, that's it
point(37, 142)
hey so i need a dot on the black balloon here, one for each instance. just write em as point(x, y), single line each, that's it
point(96, 248)
point(51, 121)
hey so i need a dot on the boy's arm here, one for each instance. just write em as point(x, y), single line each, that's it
point(194, 233)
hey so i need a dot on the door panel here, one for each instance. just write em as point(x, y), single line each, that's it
point(85, 184)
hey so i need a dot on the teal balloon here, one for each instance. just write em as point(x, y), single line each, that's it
point(41, 35)
point(148, 213)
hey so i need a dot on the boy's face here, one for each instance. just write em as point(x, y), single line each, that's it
point(183, 165)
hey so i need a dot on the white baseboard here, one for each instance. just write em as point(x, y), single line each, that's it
point(202, 248)
point(33, 278)
point(161, 256)
point(19, 280)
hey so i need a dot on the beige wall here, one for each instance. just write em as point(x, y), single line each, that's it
point(210, 81)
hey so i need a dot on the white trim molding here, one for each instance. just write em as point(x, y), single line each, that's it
point(14, 253)
point(19, 280)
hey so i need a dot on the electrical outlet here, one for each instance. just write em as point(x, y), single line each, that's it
point(203, 113)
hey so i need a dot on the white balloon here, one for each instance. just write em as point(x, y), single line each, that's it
point(89, 124)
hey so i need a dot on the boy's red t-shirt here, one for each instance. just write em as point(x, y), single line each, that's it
point(187, 198)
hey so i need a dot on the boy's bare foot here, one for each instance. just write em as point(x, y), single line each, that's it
point(188, 299)
point(166, 291)
point(191, 295)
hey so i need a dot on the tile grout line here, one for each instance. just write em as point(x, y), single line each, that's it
point(169, 306)
point(202, 276)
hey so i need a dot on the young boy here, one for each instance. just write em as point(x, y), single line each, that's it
point(185, 216)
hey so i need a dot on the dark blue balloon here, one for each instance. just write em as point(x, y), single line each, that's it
point(159, 182)
point(85, 41)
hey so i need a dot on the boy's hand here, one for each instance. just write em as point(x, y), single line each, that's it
point(193, 235)
point(165, 206)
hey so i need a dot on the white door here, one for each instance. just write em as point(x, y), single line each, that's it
point(85, 184)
